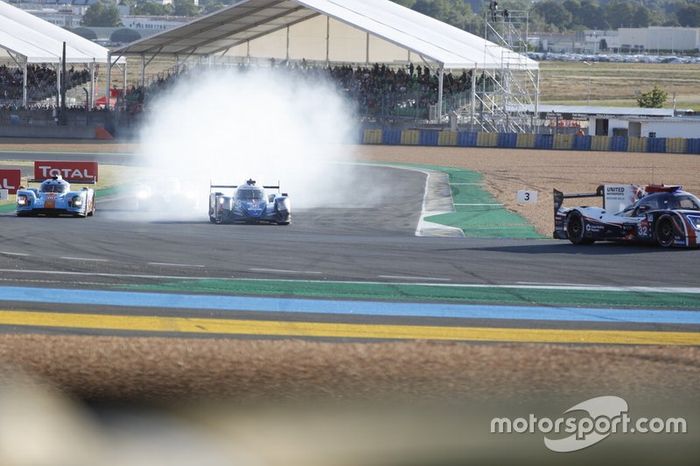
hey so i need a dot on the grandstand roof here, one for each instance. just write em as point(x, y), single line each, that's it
point(352, 31)
point(37, 41)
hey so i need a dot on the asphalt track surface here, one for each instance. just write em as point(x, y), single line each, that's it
point(367, 240)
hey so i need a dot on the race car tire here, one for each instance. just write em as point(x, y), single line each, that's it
point(576, 228)
point(665, 231)
point(212, 219)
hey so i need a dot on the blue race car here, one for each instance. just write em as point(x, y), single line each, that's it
point(55, 197)
point(249, 204)
point(664, 215)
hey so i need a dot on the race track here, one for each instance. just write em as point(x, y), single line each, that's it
point(339, 245)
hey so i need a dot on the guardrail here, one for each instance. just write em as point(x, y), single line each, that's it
point(434, 137)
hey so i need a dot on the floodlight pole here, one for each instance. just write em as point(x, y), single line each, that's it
point(472, 109)
point(24, 85)
point(124, 79)
point(441, 75)
point(58, 87)
point(92, 85)
point(109, 80)
point(62, 86)
point(143, 70)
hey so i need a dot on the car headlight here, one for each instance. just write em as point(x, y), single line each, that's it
point(142, 194)
point(22, 200)
point(695, 220)
point(77, 201)
point(285, 203)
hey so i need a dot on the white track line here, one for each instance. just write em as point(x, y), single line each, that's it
point(582, 287)
point(500, 205)
point(86, 259)
point(170, 264)
point(20, 254)
point(405, 277)
point(309, 272)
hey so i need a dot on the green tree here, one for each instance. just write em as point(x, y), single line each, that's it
point(554, 14)
point(87, 33)
point(406, 3)
point(689, 15)
point(642, 17)
point(101, 14)
point(454, 12)
point(620, 13)
point(655, 98)
point(185, 8)
point(150, 9)
point(124, 36)
point(592, 15)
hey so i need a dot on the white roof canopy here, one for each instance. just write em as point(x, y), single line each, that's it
point(352, 31)
point(33, 40)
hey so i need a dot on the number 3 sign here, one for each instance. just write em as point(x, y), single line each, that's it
point(527, 197)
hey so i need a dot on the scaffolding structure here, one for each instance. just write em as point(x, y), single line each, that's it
point(503, 98)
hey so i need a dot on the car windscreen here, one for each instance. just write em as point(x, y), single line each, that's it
point(250, 194)
point(687, 202)
point(53, 188)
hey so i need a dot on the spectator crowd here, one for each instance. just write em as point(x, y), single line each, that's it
point(377, 91)
point(41, 83)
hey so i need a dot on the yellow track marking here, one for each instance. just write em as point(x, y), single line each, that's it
point(339, 330)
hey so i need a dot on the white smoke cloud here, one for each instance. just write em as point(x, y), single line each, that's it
point(269, 125)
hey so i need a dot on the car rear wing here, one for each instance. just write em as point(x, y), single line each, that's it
point(234, 186)
point(67, 180)
point(559, 196)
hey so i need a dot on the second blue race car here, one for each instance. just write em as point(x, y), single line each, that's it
point(249, 203)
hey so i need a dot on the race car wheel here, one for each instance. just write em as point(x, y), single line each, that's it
point(665, 231)
point(576, 228)
point(212, 219)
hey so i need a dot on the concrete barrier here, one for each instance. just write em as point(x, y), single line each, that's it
point(465, 139)
point(59, 132)
point(563, 141)
point(447, 138)
point(391, 136)
point(507, 140)
point(656, 144)
point(676, 145)
point(487, 139)
point(618, 144)
point(526, 141)
point(544, 141)
point(635, 144)
point(434, 137)
point(600, 143)
point(372, 136)
point(410, 137)
point(429, 137)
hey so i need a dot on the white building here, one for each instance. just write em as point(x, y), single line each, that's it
point(651, 39)
point(148, 25)
point(665, 127)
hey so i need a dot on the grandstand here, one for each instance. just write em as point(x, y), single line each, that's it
point(392, 60)
point(31, 51)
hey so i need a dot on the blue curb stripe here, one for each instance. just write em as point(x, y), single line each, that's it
point(368, 308)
